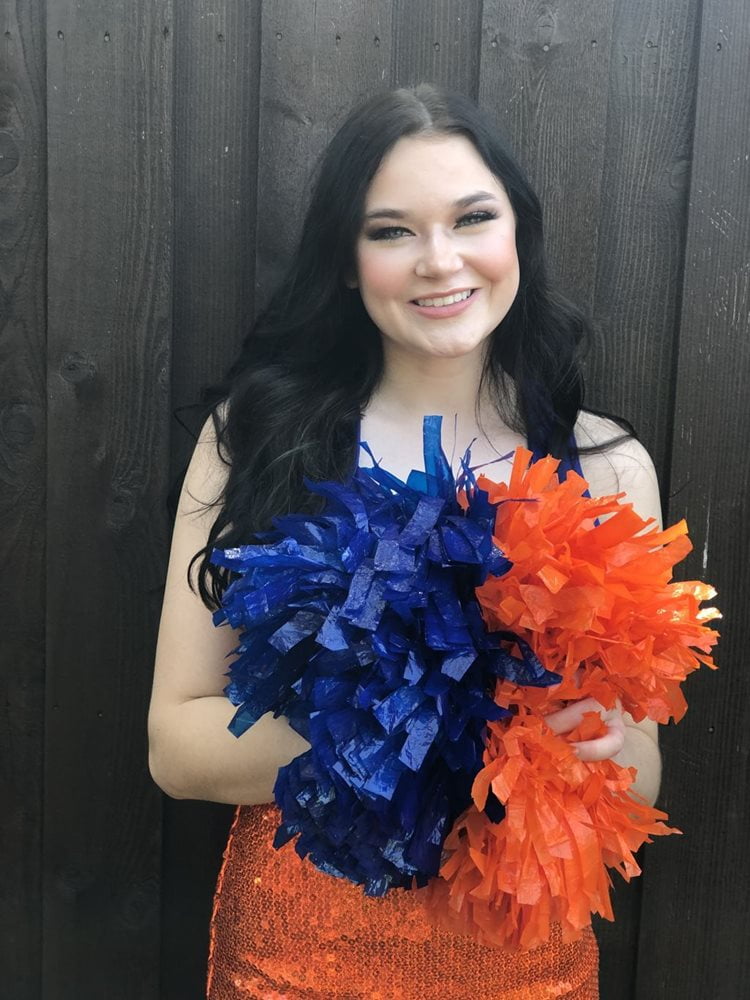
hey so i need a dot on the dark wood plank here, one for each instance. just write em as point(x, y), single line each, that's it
point(618, 940)
point(544, 71)
point(437, 43)
point(318, 61)
point(109, 296)
point(194, 835)
point(696, 913)
point(217, 65)
point(641, 234)
point(23, 236)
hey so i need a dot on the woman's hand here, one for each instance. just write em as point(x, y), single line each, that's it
point(609, 745)
point(628, 743)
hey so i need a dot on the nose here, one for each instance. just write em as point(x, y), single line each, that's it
point(438, 255)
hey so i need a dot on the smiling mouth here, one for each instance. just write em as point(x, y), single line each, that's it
point(445, 300)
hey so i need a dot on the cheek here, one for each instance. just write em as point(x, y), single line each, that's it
point(500, 260)
point(380, 274)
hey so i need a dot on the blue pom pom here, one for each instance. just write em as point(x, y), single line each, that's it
point(361, 625)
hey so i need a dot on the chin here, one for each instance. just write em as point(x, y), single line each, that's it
point(455, 350)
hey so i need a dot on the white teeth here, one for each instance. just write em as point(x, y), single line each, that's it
point(448, 300)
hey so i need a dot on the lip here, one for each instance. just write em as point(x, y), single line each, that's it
point(444, 312)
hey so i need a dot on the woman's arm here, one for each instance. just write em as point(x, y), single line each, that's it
point(192, 754)
point(626, 468)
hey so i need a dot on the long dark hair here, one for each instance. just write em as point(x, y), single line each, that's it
point(289, 406)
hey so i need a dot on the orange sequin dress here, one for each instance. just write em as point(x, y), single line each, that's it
point(281, 929)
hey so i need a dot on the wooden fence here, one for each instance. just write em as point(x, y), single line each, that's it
point(153, 161)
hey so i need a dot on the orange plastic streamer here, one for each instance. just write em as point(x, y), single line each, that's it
point(590, 591)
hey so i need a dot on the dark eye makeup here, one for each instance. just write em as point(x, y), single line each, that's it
point(394, 232)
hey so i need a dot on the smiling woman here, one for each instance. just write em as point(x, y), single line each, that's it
point(418, 288)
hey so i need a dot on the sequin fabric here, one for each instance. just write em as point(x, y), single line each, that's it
point(281, 929)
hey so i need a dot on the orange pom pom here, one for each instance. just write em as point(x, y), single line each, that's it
point(590, 590)
point(566, 823)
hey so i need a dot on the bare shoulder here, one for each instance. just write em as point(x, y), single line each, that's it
point(624, 467)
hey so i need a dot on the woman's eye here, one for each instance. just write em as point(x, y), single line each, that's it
point(472, 218)
point(387, 233)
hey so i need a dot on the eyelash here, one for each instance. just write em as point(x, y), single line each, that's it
point(393, 232)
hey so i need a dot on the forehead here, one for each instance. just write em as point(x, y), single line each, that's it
point(431, 168)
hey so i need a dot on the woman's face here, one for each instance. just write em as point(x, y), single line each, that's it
point(437, 266)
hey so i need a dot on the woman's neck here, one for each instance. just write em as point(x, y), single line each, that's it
point(411, 388)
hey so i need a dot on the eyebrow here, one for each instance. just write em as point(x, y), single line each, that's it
point(469, 199)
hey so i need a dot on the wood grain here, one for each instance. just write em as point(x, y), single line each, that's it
point(23, 235)
point(696, 913)
point(436, 43)
point(109, 297)
point(544, 71)
point(217, 69)
point(643, 209)
point(318, 60)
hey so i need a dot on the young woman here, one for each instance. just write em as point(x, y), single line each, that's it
point(418, 287)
